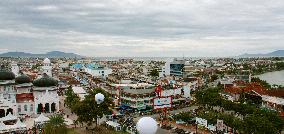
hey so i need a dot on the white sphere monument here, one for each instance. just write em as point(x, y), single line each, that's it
point(147, 125)
point(99, 97)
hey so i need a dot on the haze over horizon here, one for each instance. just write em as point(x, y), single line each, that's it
point(145, 28)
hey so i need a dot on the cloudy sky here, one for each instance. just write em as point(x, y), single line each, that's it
point(142, 27)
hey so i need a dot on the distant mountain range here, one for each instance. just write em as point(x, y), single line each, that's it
point(59, 54)
point(52, 54)
point(278, 53)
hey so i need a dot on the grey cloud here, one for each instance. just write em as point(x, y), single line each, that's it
point(112, 27)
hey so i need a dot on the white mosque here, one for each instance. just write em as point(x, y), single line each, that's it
point(47, 68)
point(20, 96)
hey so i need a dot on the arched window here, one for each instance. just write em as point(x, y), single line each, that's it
point(26, 107)
point(32, 107)
point(19, 108)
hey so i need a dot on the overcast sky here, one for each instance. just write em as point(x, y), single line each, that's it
point(142, 27)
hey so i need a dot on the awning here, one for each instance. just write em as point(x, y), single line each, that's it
point(9, 117)
point(20, 125)
point(41, 118)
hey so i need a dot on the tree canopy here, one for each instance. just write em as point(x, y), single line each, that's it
point(71, 98)
point(55, 125)
point(154, 73)
point(88, 110)
point(256, 120)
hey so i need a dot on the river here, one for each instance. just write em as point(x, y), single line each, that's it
point(276, 77)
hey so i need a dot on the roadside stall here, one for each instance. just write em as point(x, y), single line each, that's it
point(19, 127)
point(39, 121)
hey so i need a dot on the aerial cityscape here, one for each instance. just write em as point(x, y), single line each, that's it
point(142, 67)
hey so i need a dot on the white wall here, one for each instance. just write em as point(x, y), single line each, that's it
point(30, 109)
point(15, 69)
point(46, 97)
point(165, 69)
point(99, 72)
point(23, 90)
point(47, 70)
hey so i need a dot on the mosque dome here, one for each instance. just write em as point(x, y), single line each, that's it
point(23, 78)
point(6, 75)
point(46, 61)
point(45, 81)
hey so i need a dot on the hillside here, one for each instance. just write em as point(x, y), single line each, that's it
point(52, 54)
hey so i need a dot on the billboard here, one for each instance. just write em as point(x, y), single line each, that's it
point(162, 102)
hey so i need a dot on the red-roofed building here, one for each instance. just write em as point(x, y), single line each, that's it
point(25, 103)
point(253, 86)
point(250, 89)
point(239, 83)
point(234, 92)
point(271, 99)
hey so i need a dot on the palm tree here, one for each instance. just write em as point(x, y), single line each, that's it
point(55, 125)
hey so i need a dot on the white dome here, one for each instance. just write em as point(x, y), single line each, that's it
point(99, 98)
point(147, 125)
point(46, 61)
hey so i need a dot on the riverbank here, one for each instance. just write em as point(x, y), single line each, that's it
point(273, 78)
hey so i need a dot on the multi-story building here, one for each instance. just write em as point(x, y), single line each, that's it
point(95, 70)
point(139, 96)
point(175, 67)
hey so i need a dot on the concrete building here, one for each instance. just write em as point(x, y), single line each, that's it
point(97, 71)
point(175, 68)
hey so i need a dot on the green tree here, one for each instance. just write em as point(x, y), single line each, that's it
point(154, 73)
point(88, 110)
point(214, 77)
point(35, 66)
point(71, 98)
point(246, 66)
point(272, 116)
point(256, 120)
point(279, 65)
point(262, 82)
point(255, 124)
point(55, 125)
